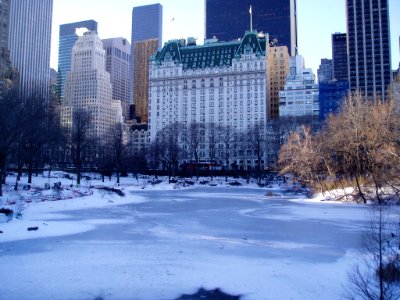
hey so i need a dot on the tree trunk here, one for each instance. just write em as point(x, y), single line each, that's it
point(30, 171)
point(19, 175)
point(1, 182)
point(78, 175)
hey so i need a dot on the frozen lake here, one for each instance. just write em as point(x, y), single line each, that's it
point(173, 242)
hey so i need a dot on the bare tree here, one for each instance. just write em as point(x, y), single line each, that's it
point(35, 133)
point(104, 159)
point(377, 275)
point(11, 122)
point(227, 141)
point(359, 147)
point(212, 142)
point(257, 143)
point(81, 142)
point(195, 137)
point(119, 149)
point(166, 148)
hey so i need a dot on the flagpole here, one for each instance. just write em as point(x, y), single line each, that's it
point(251, 19)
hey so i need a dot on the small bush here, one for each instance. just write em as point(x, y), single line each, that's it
point(391, 272)
point(6, 211)
point(154, 182)
point(113, 190)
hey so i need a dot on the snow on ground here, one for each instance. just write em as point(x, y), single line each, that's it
point(158, 242)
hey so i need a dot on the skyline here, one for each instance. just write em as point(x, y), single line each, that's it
point(178, 22)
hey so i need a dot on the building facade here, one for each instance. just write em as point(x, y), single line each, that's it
point(300, 96)
point(142, 53)
point(88, 87)
point(146, 25)
point(325, 70)
point(223, 84)
point(369, 46)
point(29, 43)
point(118, 61)
point(278, 70)
point(6, 74)
point(331, 96)
point(339, 56)
point(228, 19)
point(69, 34)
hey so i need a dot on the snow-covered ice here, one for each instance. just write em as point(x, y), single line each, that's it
point(159, 243)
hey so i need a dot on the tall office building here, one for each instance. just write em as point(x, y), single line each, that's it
point(143, 51)
point(4, 30)
point(278, 70)
point(118, 60)
point(29, 43)
point(228, 19)
point(69, 34)
point(369, 46)
point(88, 86)
point(325, 70)
point(5, 63)
point(146, 25)
point(300, 96)
point(339, 56)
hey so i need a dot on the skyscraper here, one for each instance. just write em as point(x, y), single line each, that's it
point(68, 36)
point(118, 61)
point(29, 43)
point(146, 25)
point(369, 46)
point(5, 62)
point(339, 56)
point(325, 72)
point(4, 29)
point(228, 19)
point(277, 70)
point(143, 51)
point(88, 86)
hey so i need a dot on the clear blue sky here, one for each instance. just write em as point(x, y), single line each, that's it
point(317, 20)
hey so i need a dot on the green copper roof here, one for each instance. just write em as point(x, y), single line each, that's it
point(217, 54)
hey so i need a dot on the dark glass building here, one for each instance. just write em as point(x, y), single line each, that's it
point(339, 56)
point(228, 19)
point(331, 95)
point(369, 46)
point(68, 37)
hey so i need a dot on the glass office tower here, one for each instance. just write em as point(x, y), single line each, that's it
point(227, 20)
